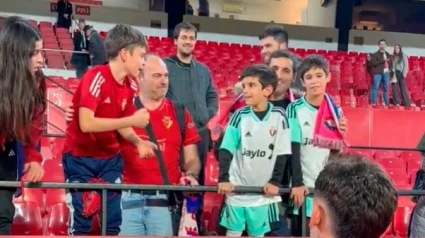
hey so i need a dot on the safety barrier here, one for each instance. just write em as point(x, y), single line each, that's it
point(104, 188)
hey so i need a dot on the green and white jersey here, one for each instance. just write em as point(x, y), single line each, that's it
point(302, 119)
point(255, 145)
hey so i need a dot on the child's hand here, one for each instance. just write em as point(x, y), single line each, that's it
point(225, 188)
point(271, 190)
point(298, 195)
point(343, 126)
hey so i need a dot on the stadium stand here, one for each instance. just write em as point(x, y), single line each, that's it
point(44, 212)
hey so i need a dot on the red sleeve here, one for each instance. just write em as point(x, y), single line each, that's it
point(191, 134)
point(91, 89)
point(31, 152)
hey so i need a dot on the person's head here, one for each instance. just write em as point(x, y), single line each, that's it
point(128, 46)
point(398, 50)
point(272, 38)
point(185, 35)
point(81, 24)
point(382, 44)
point(88, 30)
point(314, 74)
point(353, 198)
point(22, 85)
point(282, 63)
point(258, 82)
point(154, 78)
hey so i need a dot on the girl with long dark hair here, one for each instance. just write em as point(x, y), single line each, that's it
point(400, 69)
point(22, 105)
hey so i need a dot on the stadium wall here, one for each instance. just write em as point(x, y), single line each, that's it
point(294, 12)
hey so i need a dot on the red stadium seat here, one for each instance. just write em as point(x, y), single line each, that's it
point(398, 176)
point(27, 220)
point(57, 220)
point(380, 154)
point(401, 220)
point(393, 163)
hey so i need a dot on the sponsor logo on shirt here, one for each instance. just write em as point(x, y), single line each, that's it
point(308, 141)
point(254, 153)
point(272, 131)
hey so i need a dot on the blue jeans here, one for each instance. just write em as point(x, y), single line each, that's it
point(141, 220)
point(82, 170)
point(377, 80)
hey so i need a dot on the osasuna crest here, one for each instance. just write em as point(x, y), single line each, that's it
point(167, 122)
point(123, 104)
point(272, 131)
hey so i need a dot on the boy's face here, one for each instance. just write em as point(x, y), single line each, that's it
point(134, 61)
point(253, 92)
point(315, 81)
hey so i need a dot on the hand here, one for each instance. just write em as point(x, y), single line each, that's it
point(271, 190)
point(33, 172)
point(84, 50)
point(225, 188)
point(146, 149)
point(343, 122)
point(69, 113)
point(141, 118)
point(298, 195)
point(189, 179)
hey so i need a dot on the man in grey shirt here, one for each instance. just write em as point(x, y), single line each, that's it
point(190, 84)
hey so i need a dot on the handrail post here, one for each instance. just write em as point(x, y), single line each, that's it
point(104, 211)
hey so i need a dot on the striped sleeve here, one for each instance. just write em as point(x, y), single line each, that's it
point(91, 89)
point(294, 125)
point(232, 136)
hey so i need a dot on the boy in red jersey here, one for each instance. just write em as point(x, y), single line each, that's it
point(103, 103)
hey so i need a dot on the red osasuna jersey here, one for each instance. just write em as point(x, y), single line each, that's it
point(101, 93)
point(166, 129)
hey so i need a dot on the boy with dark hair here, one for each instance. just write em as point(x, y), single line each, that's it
point(103, 104)
point(317, 127)
point(354, 198)
point(256, 137)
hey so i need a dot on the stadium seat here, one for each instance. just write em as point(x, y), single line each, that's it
point(27, 220)
point(57, 220)
point(380, 154)
point(392, 163)
point(398, 176)
point(401, 221)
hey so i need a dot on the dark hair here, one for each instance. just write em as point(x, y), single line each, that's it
point(401, 50)
point(382, 40)
point(313, 61)
point(184, 26)
point(358, 194)
point(284, 54)
point(278, 33)
point(123, 37)
point(264, 73)
point(22, 94)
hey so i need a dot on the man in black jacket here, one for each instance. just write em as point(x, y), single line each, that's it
point(191, 85)
point(64, 9)
point(81, 61)
point(97, 49)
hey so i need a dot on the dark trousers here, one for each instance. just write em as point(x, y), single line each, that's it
point(203, 147)
point(81, 68)
point(8, 172)
point(401, 84)
point(82, 170)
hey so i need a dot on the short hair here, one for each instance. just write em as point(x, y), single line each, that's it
point(313, 61)
point(278, 33)
point(359, 196)
point(264, 73)
point(184, 26)
point(123, 37)
point(285, 54)
point(382, 40)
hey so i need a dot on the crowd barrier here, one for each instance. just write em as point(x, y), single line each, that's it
point(104, 188)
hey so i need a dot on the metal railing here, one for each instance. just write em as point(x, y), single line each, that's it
point(104, 188)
